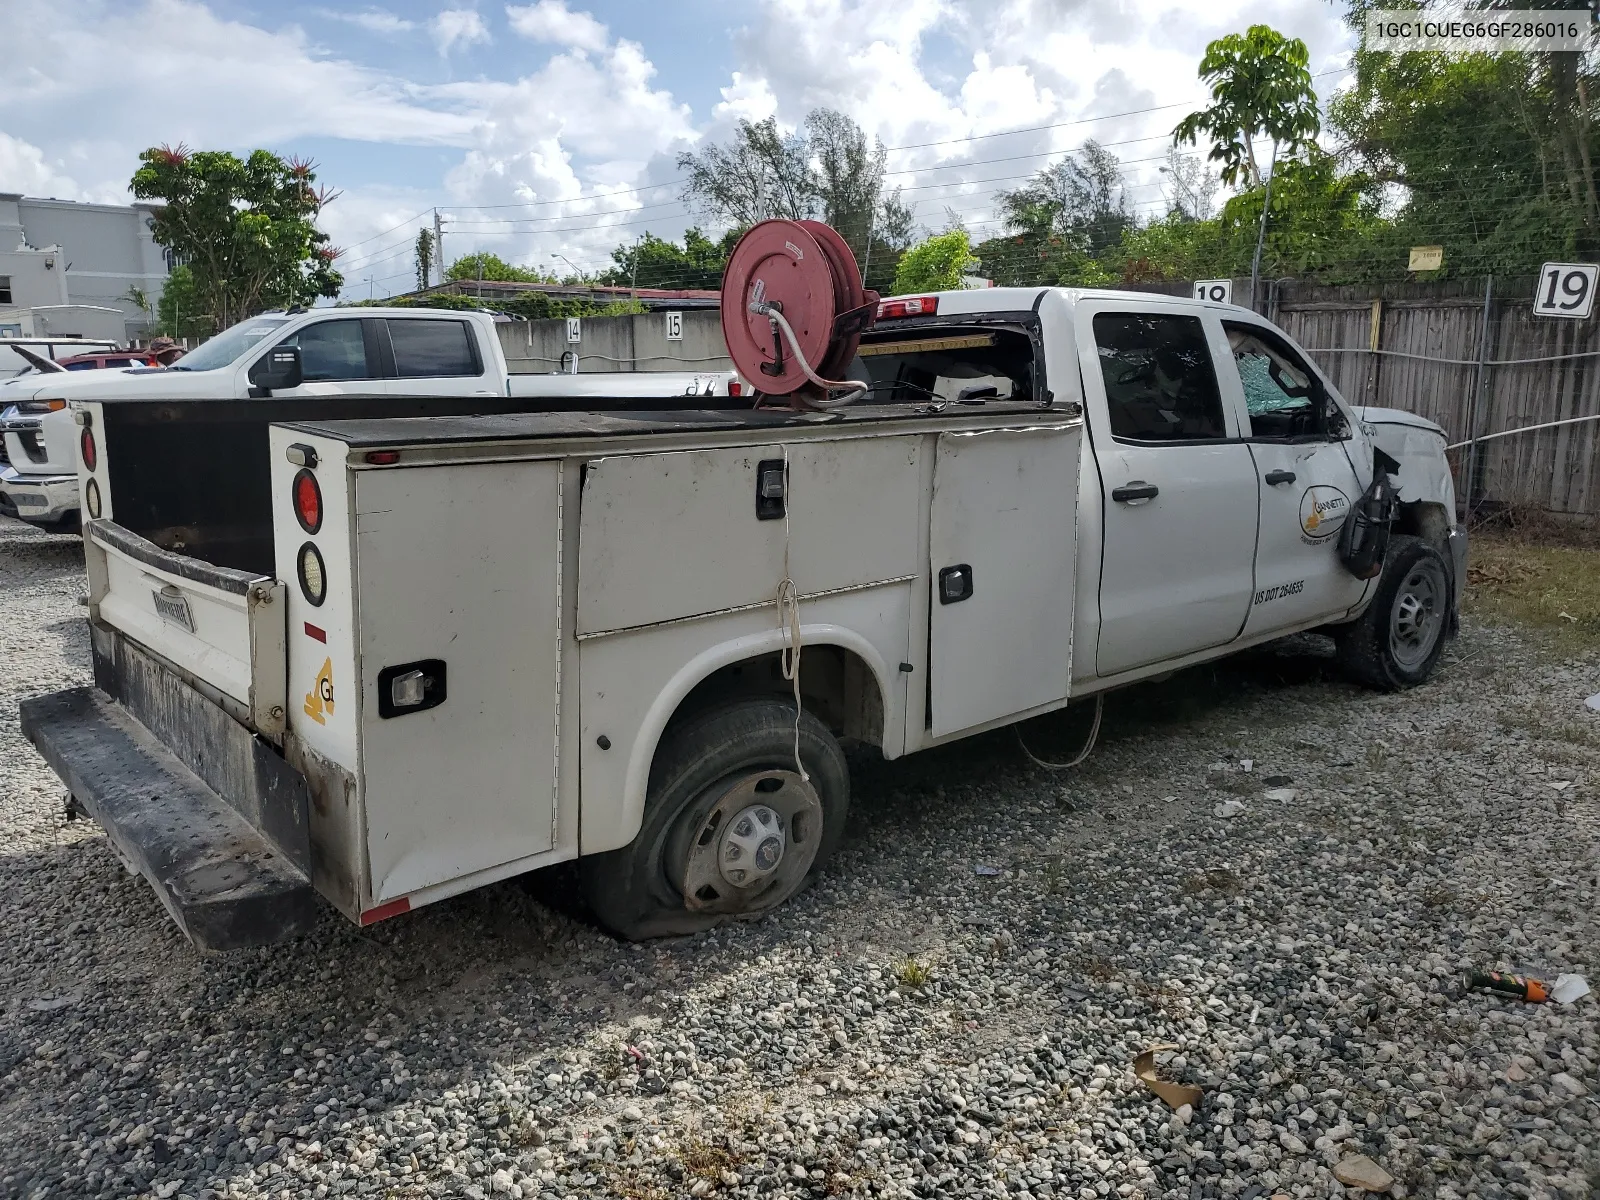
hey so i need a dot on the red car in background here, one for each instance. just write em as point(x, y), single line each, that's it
point(103, 359)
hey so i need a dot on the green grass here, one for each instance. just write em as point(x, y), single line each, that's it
point(911, 972)
point(1552, 589)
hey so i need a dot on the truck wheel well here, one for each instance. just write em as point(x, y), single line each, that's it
point(1426, 520)
point(835, 684)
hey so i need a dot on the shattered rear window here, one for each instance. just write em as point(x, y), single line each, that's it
point(947, 363)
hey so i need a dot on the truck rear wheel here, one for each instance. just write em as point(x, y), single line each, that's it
point(1396, 643)
point(730, 829)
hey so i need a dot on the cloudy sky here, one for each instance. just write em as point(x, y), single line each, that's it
point(552, 127)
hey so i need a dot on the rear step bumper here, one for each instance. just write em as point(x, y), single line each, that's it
point(222, 881)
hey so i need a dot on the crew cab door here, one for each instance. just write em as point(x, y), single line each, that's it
point(437, 356)
point(1178, 485)
point(339, 356)
point(1299, 438)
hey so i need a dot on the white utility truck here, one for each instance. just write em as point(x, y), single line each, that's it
point(432, 653)
point(437, 358)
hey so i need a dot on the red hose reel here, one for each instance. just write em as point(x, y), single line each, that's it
point(803, 272)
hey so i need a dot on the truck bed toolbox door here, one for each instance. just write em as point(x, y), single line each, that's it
point(1003, 542)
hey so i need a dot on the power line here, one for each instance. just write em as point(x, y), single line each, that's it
point(390, 230)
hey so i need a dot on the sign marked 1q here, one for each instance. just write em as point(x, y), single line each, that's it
point(1565, 290)
point(1218, 290)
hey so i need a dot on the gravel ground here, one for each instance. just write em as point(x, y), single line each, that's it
point(911, 1026)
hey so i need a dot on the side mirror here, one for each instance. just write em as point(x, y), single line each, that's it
point(279, 368)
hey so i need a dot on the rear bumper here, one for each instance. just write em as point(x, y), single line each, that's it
point(43, 499)
point(210, 815)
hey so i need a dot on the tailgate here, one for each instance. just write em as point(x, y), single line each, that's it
point(221, 627)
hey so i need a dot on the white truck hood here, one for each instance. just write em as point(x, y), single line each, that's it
point(130, 382)
point(1396, 416)
point(1417, 444)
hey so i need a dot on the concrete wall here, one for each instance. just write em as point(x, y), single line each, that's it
point(37, 277)
point(632, 343)
point(100, 251)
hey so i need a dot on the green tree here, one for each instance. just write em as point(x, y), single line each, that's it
point(1323, 224)
point(424, 259)
point(1081, 202)
point(657, 263)
point(763, 173)
point(827, 170)
point(140, 299)
point(181, 311)
point(1177, 247)
point(1260, 88)
point(1491, 156)
point(491, 268)
point(246, 228)
point(935, 265)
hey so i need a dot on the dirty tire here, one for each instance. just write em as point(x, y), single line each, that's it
point(631, 890)
point(1396, 643)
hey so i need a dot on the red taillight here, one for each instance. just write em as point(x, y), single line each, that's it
point(307, 501)
point(383, 458)
point(91, 452)
point(917, 306)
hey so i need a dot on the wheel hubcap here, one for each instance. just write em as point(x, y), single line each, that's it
point(1417, 618)
point(753, 845)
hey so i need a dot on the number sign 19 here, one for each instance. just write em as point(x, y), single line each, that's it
point(1565, 290)
point(1218, 290)
point(674, 327)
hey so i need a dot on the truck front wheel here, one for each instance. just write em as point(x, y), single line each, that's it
point(731, 828)
point(1396, 643)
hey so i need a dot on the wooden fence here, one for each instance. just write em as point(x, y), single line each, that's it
point(1417, 347)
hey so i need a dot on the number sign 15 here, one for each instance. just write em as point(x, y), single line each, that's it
point(1219, 291)
point(1565, 290)
point(674, 327)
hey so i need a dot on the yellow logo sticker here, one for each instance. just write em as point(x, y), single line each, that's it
point(319, 700)
point(1323, 510)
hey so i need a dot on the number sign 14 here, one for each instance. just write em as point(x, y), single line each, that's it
point(1565, 290)
point(1219, 291)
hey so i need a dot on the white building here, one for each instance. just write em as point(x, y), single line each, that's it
point(66, 268)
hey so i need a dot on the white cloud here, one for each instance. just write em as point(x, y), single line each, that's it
point(23, 168)
point(1040, 76)
point(207, 81)
point(552, 21)
point(373, 20)
point(746, 100)
point(586, 144)
point(453, 27)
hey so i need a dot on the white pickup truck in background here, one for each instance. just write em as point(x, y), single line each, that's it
point(432, 654)
point(400, 352)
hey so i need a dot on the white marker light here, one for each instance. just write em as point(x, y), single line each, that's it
point(406, 691)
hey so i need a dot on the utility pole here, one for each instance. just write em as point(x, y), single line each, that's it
point(633, 283)
point(438, 244)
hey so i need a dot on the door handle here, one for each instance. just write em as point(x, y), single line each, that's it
point(1137, 490)
point(1274, 478)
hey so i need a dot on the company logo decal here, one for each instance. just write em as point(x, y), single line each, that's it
point(1322, 511)
point(319, 700)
